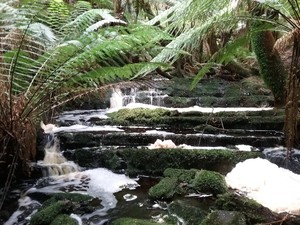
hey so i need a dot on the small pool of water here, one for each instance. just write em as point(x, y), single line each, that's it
point(130, 203)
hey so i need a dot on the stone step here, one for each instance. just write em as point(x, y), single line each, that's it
point(261, 139)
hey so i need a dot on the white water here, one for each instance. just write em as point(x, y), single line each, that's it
point(100, 183)
point(116, 99)
point(273, 187)
point(198, 108)
point(80, 128)
point(151, 96)
point(55, 163)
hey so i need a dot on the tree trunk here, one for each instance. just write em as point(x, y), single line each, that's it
point(293, 88)
point(271, 66)
point(118, 10)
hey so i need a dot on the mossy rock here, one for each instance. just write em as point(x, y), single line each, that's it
point(165, 189)
point(64, 219)
point(132, 221)
point(221, 217)
point(254, 212)
point(267, 120)
point(190, 214)
point(46, 215)
point(74, 197)
point(137, 160)
point(138, 115)
point(94, 158)
point(209, 182)
point(181, 174)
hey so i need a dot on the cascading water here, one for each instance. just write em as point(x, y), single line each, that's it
point(149, 96)
point(116, 100)
point(54, 162)
point(62, 176)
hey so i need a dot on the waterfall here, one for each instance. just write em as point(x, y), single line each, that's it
point(123, 97)
point(54, 162)
point(116, 99)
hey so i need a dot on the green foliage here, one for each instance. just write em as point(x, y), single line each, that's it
point(58, 14)
point(104, 4)
point(79, 8)
point(209, 182)
point(165, 189)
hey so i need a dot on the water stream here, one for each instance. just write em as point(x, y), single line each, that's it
point(120, 195)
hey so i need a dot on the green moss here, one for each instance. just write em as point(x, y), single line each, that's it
point(131, 221)
point(254, 212)
point(138, 115)
point(181, 174)
point(165, 189)
point(209, 182)
point(74, 197)
point(64, 219)
point(230, 120)
point(46, 215)
point(217, 160)
point(224, 218)
point(206, 128)
point(271, 66)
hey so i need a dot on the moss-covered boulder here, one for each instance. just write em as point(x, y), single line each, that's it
point(46, 215)
point(132, 221)
point(254, 212)
point(74, 197)
point(183, 182)
point(188, 213)
point(64, 219)
point(222, 217)
point(182, 175)
point(58, 204)
point(165, 189)
point(209, 182)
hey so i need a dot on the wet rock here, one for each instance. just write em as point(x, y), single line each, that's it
point(225, 218)
point(279, 157)
point(94, 158)
point(133, 221)
point(137, 160)
point(254, 212)
point(188, 214)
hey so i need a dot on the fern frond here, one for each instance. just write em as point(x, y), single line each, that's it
point(83, 21)
point(223, 56)
point(105, 75)
point(79, 8)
